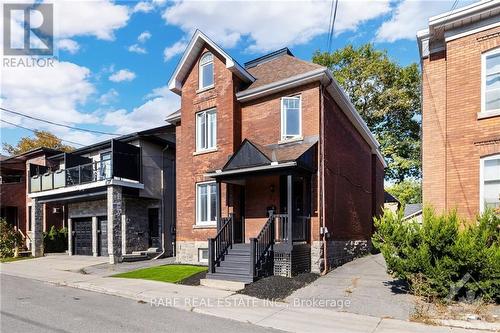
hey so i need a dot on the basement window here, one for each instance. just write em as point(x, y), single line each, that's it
point(203, 255)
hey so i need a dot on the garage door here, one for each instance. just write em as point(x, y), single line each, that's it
point(83, 237)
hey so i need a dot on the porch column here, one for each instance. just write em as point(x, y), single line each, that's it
point(219, 204)
point(36, 228)
point(70, 237)
point(94, 236)
point(115, 212)
point(289, 207)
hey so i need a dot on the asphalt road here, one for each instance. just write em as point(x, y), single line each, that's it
point(32, 306)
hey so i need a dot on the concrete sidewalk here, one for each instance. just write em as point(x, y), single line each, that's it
point(224, 304)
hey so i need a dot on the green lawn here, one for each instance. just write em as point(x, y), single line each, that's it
point(166, 273)
point(10, 259)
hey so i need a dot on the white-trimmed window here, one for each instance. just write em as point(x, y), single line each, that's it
point(490, 182)
point(206, 73)
point(203, 256)
point(491, 81)
point(206, 130)
point(291, 118)
point(206, 203)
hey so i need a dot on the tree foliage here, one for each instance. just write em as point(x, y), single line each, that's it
point(41, 139)
point(9, 239)
point(387, 96)
point(443, 257)
point(407, 192)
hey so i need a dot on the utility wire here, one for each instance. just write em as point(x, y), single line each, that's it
point(332, 24)
point(59, 124)
point(35, 131)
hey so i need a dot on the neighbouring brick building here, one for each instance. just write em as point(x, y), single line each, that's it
point(15, 203)
point(274, 165)
point(460, 56)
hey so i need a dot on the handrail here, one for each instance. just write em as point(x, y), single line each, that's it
point(217, 246)
point(262, 246)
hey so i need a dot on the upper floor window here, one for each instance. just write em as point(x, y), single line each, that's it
point(291, 118)
point(206, 130)
point(206, 71)
point(491, 81)
point(490, 182)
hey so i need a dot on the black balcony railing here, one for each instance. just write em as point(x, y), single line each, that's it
point(80, 174)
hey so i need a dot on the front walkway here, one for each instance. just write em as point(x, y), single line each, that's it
point(367, 287)
point(219, 303)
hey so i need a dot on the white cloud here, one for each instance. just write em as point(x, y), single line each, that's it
point(111, 96)
point(143, 7)
point(161, 103)
point(89, 18)
point(409, 16)
point(136, 48)
point(174, 49)
point(51, 93)
point(68, 45)
point(144, 36)
point(268, 25)
point(122, 75)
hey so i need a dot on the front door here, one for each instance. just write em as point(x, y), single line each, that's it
point(102, 236)
point(154, 227)
point(83, 236)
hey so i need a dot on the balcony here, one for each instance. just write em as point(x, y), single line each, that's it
point(122, 163)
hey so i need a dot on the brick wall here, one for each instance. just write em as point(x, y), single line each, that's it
point(190, 168)
point(348, 177)
point(451, 101)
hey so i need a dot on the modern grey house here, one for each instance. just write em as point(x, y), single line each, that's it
point(119, 194)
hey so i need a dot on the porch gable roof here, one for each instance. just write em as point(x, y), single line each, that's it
point(251, 157)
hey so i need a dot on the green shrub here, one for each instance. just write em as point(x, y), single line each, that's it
point(433, 256)
point(9, 239)
point(55, 240)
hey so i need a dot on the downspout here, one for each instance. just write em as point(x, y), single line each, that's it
point(322, 183)
point(162, 204)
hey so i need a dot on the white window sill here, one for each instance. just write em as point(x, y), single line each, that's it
point(298, 138)
point(205, 226)
point(206, 151)
point(488, 114)
point(205, 89)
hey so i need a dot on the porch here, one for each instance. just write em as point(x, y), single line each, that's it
point(268, 231)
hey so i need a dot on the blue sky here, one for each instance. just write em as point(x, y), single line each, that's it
point(115, 58)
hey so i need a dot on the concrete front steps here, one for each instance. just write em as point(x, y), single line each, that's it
point(234, 271)
point(141, 255)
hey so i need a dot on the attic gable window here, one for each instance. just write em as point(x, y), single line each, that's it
point(291, 118)
point(206, 72)
point(491, 81)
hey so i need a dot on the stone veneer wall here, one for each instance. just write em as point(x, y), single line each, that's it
point(187, 252)
point(339, 252)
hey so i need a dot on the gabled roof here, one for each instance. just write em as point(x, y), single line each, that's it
point(412, 210)
point(190, 56)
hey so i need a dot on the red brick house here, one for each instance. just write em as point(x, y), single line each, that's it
point(15, 203)
point(275, 168)
point(460, 56)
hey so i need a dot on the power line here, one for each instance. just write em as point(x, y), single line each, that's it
point(332, 25)
point(35, 131)
point(58, 124)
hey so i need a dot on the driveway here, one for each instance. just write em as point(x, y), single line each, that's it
point(363, 283)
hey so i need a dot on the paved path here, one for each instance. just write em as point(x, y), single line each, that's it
point(32, 306)
point(219, 303)
point(365, 284)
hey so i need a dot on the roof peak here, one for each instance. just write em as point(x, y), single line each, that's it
point(268, 57)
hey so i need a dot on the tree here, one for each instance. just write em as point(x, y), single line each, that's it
point(407, 191)
point(387, 96)
point(41, 139)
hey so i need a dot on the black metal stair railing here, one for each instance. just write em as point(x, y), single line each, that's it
point(218, 246)
point(261, 247)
